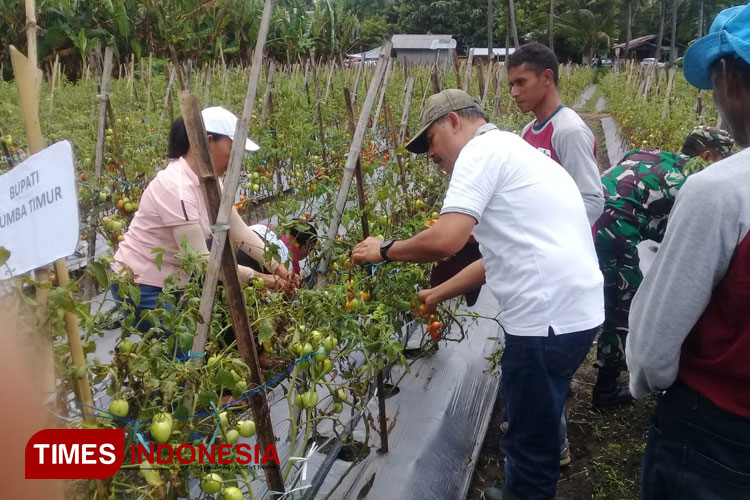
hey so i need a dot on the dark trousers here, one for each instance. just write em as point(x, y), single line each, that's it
point(695, 450)
point(536, 375)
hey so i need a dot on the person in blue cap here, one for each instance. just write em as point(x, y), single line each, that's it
point(690, 319)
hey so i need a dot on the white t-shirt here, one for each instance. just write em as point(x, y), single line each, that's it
point(533, 234)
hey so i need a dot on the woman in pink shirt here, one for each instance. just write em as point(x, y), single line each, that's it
point(172, 209)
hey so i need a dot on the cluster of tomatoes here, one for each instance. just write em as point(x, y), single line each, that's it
point(431, 320)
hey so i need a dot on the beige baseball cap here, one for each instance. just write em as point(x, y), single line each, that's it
point(222, 121)
point(439, 105)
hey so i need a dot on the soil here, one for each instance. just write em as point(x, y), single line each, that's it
point(606, 447)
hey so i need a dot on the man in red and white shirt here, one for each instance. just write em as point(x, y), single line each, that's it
point(557, 130)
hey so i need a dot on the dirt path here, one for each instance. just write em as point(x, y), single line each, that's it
point(606, 448)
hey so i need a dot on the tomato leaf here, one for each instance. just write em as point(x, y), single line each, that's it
point(159, 257)
point(224, 377)
point(139, 365)
point(98, 271)
point(4, 255)
point(205, 397)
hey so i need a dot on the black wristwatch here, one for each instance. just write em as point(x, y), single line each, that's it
point(384, 247)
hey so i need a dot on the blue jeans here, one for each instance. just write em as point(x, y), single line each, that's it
point(695, 450)
point(149, 295)
point(536, 374)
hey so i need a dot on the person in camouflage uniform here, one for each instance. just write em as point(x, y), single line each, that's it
point(639, 193)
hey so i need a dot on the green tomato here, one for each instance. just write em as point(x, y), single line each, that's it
point(298, 400)
point(256, 187)
point(255, 176)
point(231, 493)
point(247, 428)
point(102, 196)
point(327, 366)
point(223, 420)
point(310, 399)
point(119, 407)
point(152, 477)
point(320, 356)
point(125, 346)
point(316, 335)
point(306, 349)
point(161, 427)
point(330, 343)
point(211, 483)
point(232, 436)
point(338, 407)
point(213, 360)
point(241, 386)
point(341, 394)
point(128, 207)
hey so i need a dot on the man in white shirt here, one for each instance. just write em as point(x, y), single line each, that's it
point(538, 259)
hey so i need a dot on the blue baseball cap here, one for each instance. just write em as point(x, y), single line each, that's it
point(729, 35)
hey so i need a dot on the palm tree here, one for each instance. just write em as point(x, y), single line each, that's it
point(580, 20)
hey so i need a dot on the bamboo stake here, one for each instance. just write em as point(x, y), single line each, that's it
point(267, 94)
point(29, 79)
point(332, 65)
point(457, 68)
point(490, 71)
point(55, 67)
point(166, 97)
point(319, 110)
point(480, 78)
point(207, 92)
point(351, 161)
point(356, 82)
point(498, 105)
point(469, 64)
point(404, 124)
point(222, 256)
point(149, 98)
point(383, 89)
point(98, 160)
point(665, 105)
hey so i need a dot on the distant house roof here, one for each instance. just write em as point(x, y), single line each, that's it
point(482, 51)
point(423, 42)
point(369, 55)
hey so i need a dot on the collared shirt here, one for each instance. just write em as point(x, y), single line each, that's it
point(172, 198)
point(533, 234)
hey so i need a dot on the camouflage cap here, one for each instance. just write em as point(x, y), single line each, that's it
point(439, 105)
point(713, 138)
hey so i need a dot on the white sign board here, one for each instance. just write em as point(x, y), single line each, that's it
point(39, 210)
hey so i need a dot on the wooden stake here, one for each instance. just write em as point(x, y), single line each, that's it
point(383, 89)
point(469, 63)
point(222, 256)
point(89, 284)
point(267, 94)
point(498, 105)
point(665, 105)
point(457, 68)
point(351, 161)
point(54, 81)
point(404, 124)
point(480, 78)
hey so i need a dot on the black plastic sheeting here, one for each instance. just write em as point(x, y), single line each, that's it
point(437, 421)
